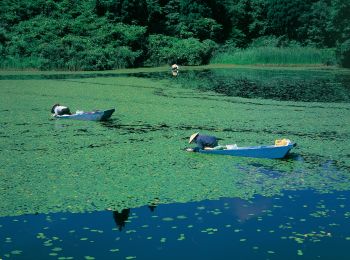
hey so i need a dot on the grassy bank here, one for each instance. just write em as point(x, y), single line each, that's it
point(275, 55)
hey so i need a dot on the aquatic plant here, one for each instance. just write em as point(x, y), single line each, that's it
point(55, 166)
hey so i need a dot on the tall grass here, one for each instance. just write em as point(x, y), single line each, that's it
point(275, 55)
point(19, 63)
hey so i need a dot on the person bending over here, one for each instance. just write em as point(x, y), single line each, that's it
point(58, 110)
point(203, 142)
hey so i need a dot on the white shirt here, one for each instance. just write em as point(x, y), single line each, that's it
point(59, 109)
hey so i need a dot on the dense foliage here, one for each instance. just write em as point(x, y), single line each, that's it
point(107, 34)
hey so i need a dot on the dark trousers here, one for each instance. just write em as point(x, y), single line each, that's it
point(65, 111)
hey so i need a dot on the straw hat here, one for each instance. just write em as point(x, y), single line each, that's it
point(193, 137)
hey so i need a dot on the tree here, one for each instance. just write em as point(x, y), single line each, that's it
point(248, 20)
point(284, 17)
point(186, 19)
point(340, 22)
point(340, 19)
point(316, 27)
point(168, 50)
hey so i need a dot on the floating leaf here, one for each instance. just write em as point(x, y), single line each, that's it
point(16, 252)
point(167, 219)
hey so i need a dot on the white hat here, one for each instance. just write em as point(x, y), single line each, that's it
point(193, 137)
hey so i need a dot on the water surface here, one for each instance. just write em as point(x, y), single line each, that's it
point(61, 181)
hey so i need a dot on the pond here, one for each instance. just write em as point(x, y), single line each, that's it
point(126, 188)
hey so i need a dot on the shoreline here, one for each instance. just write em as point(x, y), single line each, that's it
point(182, 68)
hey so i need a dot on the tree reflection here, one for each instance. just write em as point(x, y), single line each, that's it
point(120, 218)
point(154, 203)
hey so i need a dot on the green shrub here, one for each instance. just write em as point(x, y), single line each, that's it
point(167, 50)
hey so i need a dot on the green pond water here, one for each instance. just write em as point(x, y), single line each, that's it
point(137, 157)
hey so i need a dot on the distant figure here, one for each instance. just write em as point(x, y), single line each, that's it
point(175, 69)
point(58, 110)
point(203, 142)
point(153, 204)
point(120, 218)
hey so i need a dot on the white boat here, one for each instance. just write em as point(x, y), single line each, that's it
point(97, 115)
point(261, 151)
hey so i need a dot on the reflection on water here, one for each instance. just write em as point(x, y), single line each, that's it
point(296, 225)
point(244, 210)
point(121, 217)
point(153, 205)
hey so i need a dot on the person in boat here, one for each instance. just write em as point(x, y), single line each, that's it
point(58, 110)
point(206, 142)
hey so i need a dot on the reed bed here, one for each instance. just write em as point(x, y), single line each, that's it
point(275, 55)
point(20, 63)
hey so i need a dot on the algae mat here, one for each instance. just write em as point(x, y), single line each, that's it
point(137, 157)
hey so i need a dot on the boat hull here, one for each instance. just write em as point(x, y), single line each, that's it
point(264, 151)
point(99, 115)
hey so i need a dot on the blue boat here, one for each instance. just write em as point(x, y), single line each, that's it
point(98, 115)
point(263, 151)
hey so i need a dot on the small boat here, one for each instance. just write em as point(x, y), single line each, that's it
point(263, 151)
point(97, 115)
